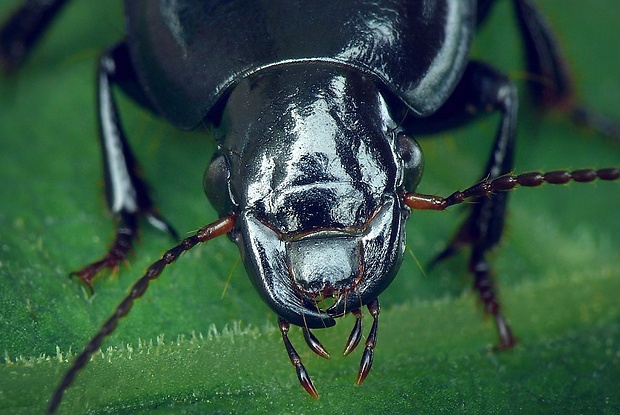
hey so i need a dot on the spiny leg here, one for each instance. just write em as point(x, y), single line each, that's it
point(126, 192)
point(482, 89)
point(483, 283)
point(302, 373)
point(126, 233)
point(487, 188)
point(206, 233)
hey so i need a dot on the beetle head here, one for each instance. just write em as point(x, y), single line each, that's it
point(315, 171)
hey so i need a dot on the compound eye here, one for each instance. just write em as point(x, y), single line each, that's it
point(413, 161)
point(216, 184)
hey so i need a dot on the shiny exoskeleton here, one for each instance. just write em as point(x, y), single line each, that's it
point(315, 104)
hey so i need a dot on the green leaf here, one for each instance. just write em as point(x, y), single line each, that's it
point(201, 341)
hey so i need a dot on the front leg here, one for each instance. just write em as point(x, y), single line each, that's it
point(482, 89)
point(126, 192)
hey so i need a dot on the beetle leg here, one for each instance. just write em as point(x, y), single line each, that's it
point(302, 373)
point(126, 232)
point(550, 79)
point(482, 89)
point(498, 186)
point(24, 28)
point(551, 84)
point(126, 192)
point(484, 227)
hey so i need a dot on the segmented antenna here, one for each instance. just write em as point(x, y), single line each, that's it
point(508, 182)
point(208, 232)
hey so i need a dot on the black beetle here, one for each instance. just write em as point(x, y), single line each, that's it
point(289, 194)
